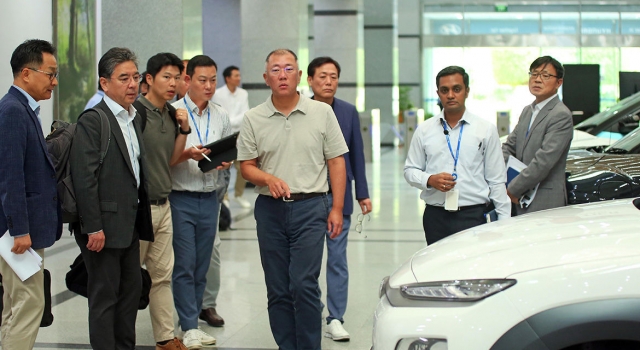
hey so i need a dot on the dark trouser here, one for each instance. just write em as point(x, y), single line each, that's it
point(291, 239)
point(114, 287)
point(439, 223)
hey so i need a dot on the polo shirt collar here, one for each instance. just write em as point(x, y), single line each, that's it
point(150, 106)
point(302, 106)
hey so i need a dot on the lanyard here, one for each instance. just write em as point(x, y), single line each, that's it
point(206, 138)
point(457, 156)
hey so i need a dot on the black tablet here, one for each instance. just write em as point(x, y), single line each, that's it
point(223, 150)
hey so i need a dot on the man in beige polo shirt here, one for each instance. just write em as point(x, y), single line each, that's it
point(285, 146)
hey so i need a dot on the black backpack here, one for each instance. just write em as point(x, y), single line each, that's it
point(59, 147)
point(224, 222)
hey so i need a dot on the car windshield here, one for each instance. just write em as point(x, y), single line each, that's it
point(607, 113)
point(626, 144)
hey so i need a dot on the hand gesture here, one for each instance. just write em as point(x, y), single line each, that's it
point(442, 182)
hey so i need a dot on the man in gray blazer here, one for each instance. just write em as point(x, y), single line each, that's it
point(541, 140)
point(113, 205)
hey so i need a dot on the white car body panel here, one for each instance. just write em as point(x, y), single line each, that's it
point(581, 140)
point(559, 257)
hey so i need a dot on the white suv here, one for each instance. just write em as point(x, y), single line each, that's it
point(566, 278)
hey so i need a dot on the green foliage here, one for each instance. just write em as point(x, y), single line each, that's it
point(510, 67)
point(404, 100)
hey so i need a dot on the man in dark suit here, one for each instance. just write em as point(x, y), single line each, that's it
point(541, 140)
point(323, 74)
point(113, 206)
point(29, 206)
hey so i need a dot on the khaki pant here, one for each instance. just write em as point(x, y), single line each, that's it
point(241, 183)
point(23, 307)
point(158, 258)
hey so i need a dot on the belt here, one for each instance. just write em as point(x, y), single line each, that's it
point(158, 201)
point(294, 197)
point(475, 206)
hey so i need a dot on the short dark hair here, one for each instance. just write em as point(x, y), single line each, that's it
point(143, 78)
point(544, 61)
point(281, 52)
point(319, 61)
point(30, 53)
point(112, 58)
point(199, 61)
point(227, 71)
point(161, 60)
point(451, 70)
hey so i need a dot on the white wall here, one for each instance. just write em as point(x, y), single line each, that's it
point(19, 21)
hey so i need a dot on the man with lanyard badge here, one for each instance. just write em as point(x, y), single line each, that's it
point(456, 160)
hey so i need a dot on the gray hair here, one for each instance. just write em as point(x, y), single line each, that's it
point(112, 58)
point(279, 52)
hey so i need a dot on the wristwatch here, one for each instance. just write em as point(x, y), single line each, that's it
point(185, 132)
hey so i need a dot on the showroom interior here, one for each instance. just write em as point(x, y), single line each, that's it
point(390, 52)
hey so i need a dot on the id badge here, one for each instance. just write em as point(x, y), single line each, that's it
point(209, 181)
point(451, 200)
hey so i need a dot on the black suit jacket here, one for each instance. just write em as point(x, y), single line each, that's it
point(108, 197)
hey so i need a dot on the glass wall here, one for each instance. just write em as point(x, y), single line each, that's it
point(496, 48)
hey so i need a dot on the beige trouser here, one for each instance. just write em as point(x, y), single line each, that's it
point(158, 258)
point(23, 307)
point(241, 183)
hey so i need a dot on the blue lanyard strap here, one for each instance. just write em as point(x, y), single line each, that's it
point(457, 156)
point(196, 124)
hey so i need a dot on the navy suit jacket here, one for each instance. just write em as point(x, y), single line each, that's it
point(349, 121)
point(28, 196)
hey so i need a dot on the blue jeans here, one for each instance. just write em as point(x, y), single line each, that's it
point(337, 271)
point(291, 239)
point(195, 222)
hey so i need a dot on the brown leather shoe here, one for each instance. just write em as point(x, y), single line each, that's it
point(173, 344)
point(211, 317)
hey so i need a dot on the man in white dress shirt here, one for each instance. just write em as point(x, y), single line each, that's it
point(456, 160)
point(235, 100)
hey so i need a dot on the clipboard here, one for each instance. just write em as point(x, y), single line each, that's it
point(223, 150)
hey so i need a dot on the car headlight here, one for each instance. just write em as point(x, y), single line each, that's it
point(422, 344)
point(463, 290)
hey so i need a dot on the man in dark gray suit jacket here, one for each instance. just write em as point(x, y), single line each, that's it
point(113, 206)
point(29, 207)
point(541, 140)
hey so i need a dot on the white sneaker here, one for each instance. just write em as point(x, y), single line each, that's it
point(243, 202)
point(191, 340)
point(336, 332)
point(204, 338)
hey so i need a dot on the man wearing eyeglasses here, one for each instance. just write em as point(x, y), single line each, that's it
point(455, 159)
point(29, 207)
point(113, 205)
point(541, 140)
point(285, 146)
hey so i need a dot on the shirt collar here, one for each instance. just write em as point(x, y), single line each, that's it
point(117, 109)
point(193, 107)
point(541, 105)
point(302, 106)
point(150, 106)
point(467, 118)
point(32, 102)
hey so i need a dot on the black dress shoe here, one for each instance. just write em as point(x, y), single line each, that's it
point(211, 317)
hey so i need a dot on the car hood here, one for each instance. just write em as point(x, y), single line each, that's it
point(590, 166)
point(539, 240)
point(581, 140)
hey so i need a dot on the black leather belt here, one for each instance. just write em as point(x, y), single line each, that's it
point(294, 197)
point(158, 201)
point(488, 206)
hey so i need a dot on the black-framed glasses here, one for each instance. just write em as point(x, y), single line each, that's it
point(359, 225)
point(50, 74)
point(543, 76)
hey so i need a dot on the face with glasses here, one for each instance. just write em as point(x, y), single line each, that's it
point(282, 75)
point(39, 82)
point(543, 82)
point(122, 85)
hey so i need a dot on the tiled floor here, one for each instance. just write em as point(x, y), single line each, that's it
point(392, 235)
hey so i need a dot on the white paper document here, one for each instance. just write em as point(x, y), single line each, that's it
point(514, 167)
point(24, 265)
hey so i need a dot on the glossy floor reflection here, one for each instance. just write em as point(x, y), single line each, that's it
point(392, 235)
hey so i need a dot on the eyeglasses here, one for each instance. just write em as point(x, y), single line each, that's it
point(543, 76)
point(126, 79)
point(50, 74)
point(359, 225)
point(276, 70)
